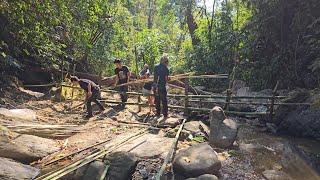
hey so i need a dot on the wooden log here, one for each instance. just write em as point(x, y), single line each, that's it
point(170, 153)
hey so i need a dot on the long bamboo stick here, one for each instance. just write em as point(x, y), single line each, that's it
point(194, 96)
point(191, 108)
point(67, 169)
point(76, 152)
point(104, 174)
point(172, 149)
point(253, 103)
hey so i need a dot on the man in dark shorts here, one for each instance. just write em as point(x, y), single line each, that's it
point(92, 91)
point(161, 77)
point(123, 76)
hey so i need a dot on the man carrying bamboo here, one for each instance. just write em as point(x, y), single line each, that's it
point(92, 91)
point(161, 77)
point(122, 77)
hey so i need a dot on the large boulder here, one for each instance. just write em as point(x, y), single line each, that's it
point(223, 132)
point(122, 165)
point(27, 148)
point(301, 121)
point(197, 160)
point(10, 170)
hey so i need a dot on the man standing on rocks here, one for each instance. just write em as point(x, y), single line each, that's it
point(122, 77)
point(92, 91)
point(161, 77)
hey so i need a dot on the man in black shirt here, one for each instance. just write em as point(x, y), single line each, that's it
point(161, 77)
point(92, 91)
point(123, 76)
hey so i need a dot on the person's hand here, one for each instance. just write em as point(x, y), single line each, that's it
point(89, 94)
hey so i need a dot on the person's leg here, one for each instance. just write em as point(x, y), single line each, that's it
point(164, 100)
point(157, 102)
point(125, 90)
point(95, 99)
point(151, 102)
point(121, 89)
point(89, 107)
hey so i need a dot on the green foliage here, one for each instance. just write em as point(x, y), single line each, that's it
point(266, 40)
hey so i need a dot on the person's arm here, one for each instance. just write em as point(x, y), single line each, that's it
point(167, 78)
point(129, 74)
point(89, 90)
point(155, 77)
point(117, 80)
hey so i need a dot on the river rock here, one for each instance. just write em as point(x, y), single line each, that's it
point(197, 160)
point(27, 148)
point(216, 116)
point(10, 169)
point(301, 121)
point(276, 175)
point(271, 128)
point(205, 177)
point(91, 171)
point(122, 165)
point(192, 126)
point(225, 134)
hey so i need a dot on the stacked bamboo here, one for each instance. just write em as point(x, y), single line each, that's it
point(88, 159)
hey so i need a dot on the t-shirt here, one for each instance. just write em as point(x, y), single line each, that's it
point(143, 72)
point(84, 85)
point(161, 71)
point(148, 86)
point(122, 74)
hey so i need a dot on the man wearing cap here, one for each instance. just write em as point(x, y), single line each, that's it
point(161, 77)
point(92, 91)
point(122, 77)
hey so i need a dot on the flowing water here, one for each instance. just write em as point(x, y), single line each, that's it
point(259, 151)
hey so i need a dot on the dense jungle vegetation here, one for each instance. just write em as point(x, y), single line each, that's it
point(266, 40)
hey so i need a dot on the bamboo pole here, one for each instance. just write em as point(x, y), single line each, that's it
point(104, 174)
point(170, 153)
point(39, 85)
point(228, 99)
point(67, 169)
point(272, 101)
point(190, 108)
point(186, 99)
point(252, 103)
point(193, 96)
point(76, 152)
